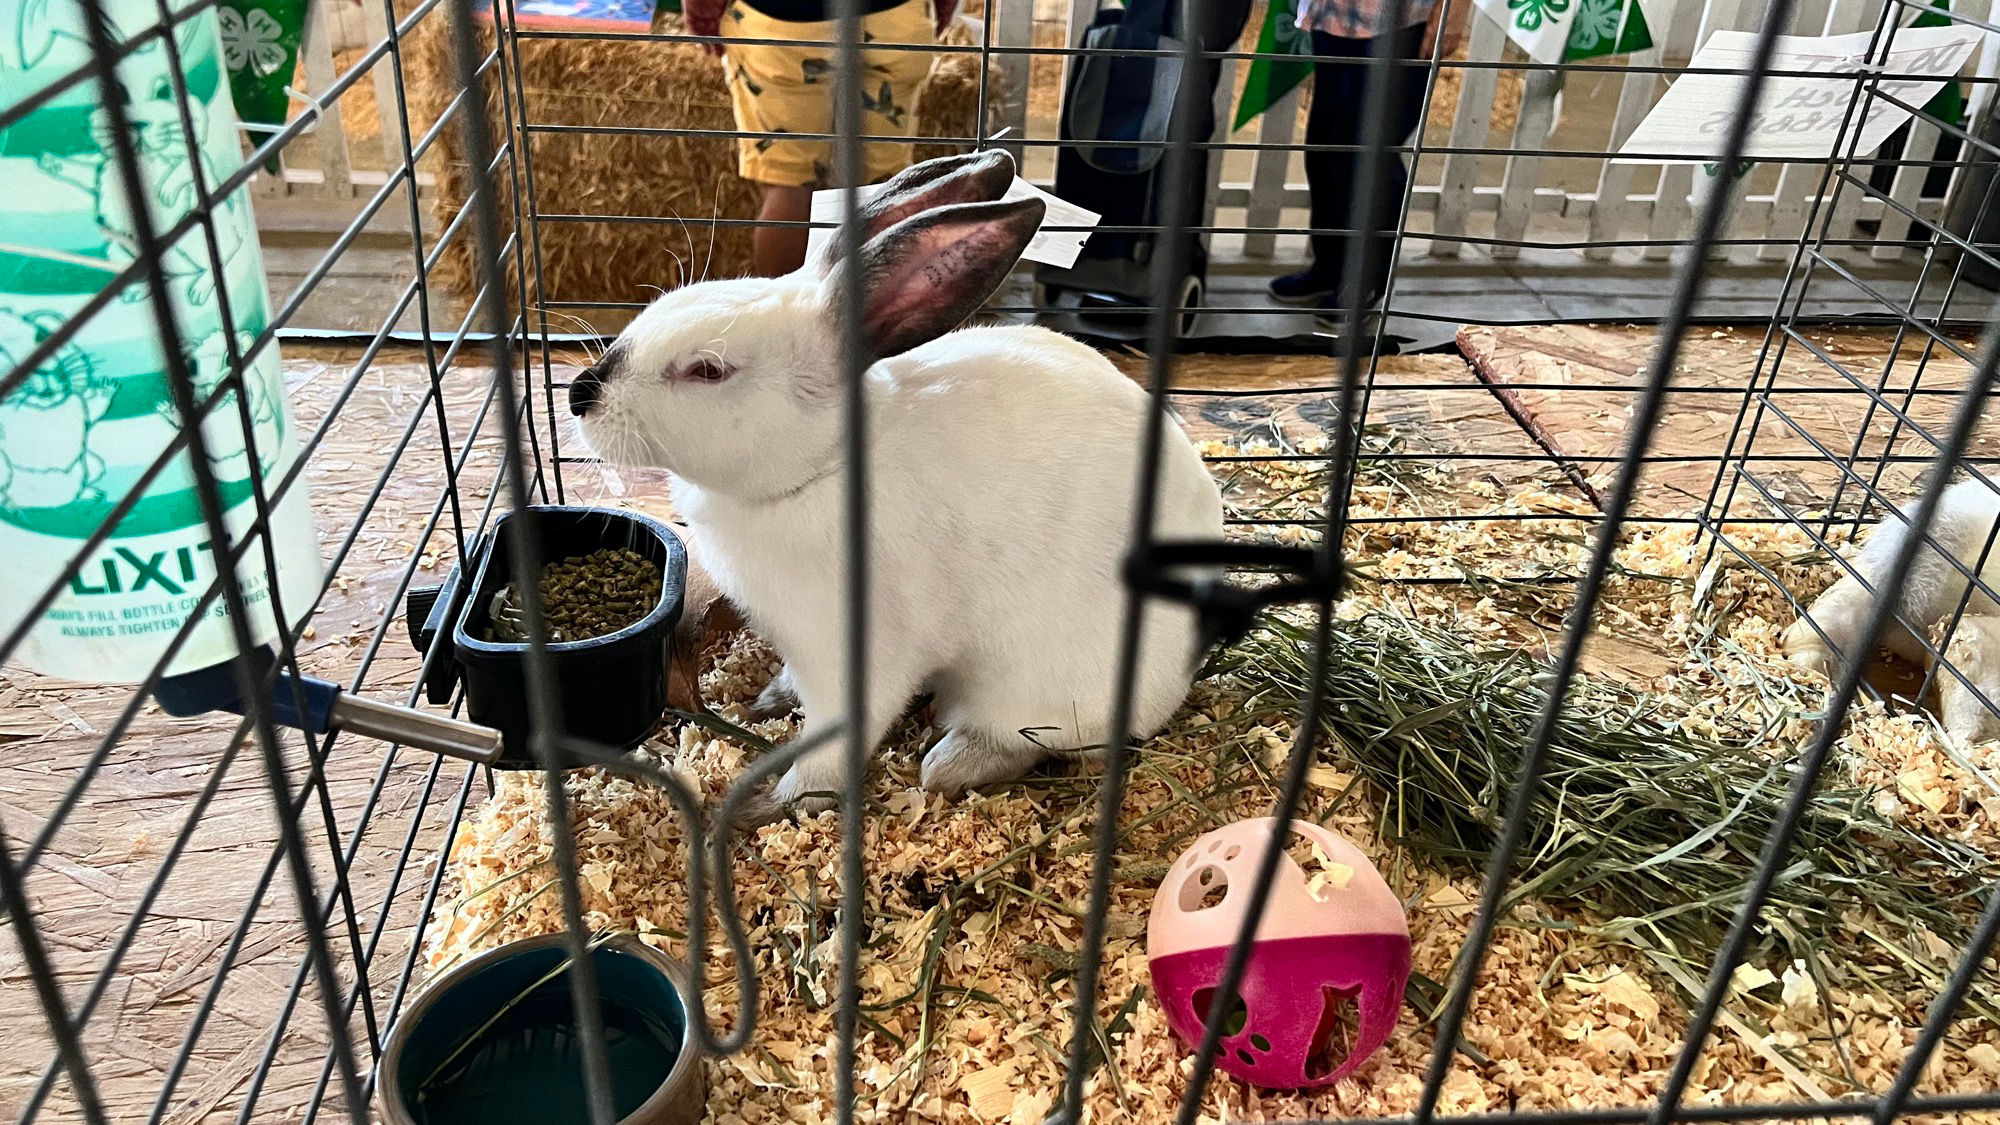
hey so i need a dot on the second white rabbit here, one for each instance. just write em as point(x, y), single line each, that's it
point(1926, 600)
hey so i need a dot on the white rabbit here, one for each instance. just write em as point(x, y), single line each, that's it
point(1002, 475)
point(1927, 599)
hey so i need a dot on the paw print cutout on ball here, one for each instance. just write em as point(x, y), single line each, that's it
point(1324, 981)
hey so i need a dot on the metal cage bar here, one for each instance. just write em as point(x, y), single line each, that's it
point(339, 932)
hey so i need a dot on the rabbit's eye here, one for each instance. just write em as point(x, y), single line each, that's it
point(706, 371)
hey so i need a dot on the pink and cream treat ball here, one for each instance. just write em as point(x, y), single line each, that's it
point(1332, 937)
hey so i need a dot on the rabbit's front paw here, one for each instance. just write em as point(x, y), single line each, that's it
point(813, 784)
point(1804, 647)
point(964, 759)
point(757, 810)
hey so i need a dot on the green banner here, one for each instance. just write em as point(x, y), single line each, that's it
point(260, 46)
point(1589, 29)
point(1607, 27)
point(1949, 104)
point(1270, 80)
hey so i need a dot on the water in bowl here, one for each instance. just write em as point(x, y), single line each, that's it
point(527, 1067)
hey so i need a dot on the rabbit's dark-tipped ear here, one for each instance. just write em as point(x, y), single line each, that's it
point(926, 275)
point(979, 177)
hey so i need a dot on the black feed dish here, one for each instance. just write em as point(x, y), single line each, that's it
point(612, 689)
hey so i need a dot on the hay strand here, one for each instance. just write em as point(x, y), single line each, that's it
point(1634, 811)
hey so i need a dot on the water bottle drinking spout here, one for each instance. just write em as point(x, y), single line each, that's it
point(321, 706)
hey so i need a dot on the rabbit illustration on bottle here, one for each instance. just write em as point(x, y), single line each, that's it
point(1831, 629)
point(45, 423)
point(1002, 470)
point(30, 30)
point(208, 365)
point(167, 166)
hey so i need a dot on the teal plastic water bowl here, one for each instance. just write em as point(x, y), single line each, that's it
point(494, 1041)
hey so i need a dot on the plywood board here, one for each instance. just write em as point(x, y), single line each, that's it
point(103, 862)
point(1790, 411)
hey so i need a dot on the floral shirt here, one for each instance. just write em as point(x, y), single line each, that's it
point(1356, 19)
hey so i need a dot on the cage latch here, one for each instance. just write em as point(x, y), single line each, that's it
point(1190, 572)
point(428, 613)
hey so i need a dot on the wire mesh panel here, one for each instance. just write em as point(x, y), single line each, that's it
point(1601, 548)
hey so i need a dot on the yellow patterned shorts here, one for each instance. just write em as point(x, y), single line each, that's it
point(787, 89)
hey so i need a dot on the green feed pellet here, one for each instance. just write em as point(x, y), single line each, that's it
point(584, 596)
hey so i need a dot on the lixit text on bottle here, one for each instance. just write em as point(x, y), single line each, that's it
point(82, 426)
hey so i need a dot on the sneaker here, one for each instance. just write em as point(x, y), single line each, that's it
point(1303, 288)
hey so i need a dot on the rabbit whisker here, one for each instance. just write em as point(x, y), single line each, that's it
point(682, 276)
point(714, 217)
point(589, 330)
point(680, 267)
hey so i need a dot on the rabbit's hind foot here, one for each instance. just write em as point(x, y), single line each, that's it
point(966, 759)
point(779, 697)
point(1974, 650)
point(1840, 615)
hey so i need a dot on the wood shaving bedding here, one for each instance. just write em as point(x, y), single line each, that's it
point(974, 905)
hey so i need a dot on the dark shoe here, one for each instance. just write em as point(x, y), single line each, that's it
point(1332, 316)
point(1303, 288)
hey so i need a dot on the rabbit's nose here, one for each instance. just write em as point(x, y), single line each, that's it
point(585, 390)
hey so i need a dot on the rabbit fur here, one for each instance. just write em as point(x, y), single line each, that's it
point(1927, 600)
point(1002, 470)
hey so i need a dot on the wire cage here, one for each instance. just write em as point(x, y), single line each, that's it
point(1743, 365)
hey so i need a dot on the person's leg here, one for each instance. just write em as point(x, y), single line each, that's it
point(778, 89)
point(778, 250)
point(1331, 119)
point(894, 82)
point(1407, 97)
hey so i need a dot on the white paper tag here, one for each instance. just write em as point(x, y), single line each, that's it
point(1052, 248)
point(1798, 118)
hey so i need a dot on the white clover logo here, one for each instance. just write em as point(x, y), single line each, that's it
point(1529, 15)
point(252, 41)
point(1596, 26)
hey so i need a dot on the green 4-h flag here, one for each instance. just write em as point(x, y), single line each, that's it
point(1948, 105)
point(260, 46)
point(1548, 30)
point(1551, 31)
point(1271, 79)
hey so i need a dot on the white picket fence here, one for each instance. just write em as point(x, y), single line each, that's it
point(1627, 202)
point(318, 186)
point(1451, 197)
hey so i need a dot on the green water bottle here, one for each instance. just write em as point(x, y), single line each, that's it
point(87, 423)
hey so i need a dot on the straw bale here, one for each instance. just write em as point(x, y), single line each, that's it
point(690, 179)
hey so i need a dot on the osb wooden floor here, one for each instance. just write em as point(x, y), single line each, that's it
point(113, 846)
point(1579, 384)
